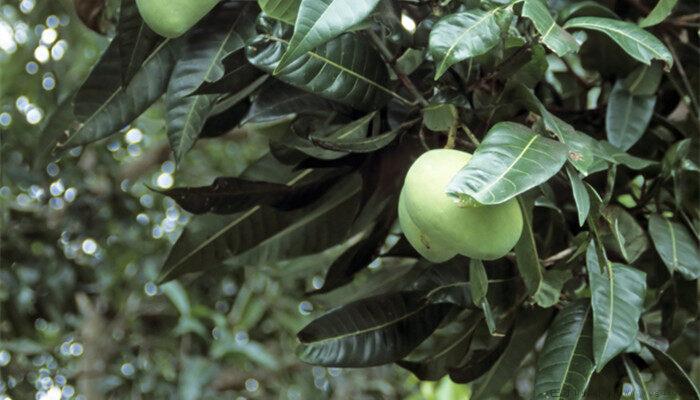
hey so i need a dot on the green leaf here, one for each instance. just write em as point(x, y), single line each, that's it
point(281, 10)
point(344, 69)
point(440, 117)
point(262, 234)
point(644, 80)
point(626, 236)
point(319, 21)
point(586, 8)
point(583, 202)
point(478, 362)
point(459, 36)
point(135, 40)
point(530, 325)
point(553, 36)
point(617, 156)
point(617, 299)
point(627, 116)
point(565, 366)
point(126, 103)
point(358, 145)
point(678, 378)
point(634, 40)
point(661, 11)
point(478, 281)
point(218, 35)
point(510, 160)
point(677, 248)
point(640, 390)
point(372, 331)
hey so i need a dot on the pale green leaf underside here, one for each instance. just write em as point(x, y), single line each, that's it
point(552, 35)
point(457, 37)
point(637, 42)
point(510, 160)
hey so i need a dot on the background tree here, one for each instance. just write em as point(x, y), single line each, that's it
point(291, 126)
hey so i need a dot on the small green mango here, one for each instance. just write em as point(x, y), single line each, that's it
point(484, 232)
point(172, 18)
point(426, 246)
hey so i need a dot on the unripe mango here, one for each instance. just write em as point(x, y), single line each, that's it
point(484, 232)
point(172, 18)
point(426, 246)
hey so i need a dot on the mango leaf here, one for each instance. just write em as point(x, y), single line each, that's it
point(661, 11)
point(553, 36)
point(677, 248)
point(480, 361)
point(617, 299)
point(626, 236)
point(640, 390)
point(634, 40)
point(319, 21)
point(440, 117)
point(263, 234)
point(135, 40)
point(449, 353)
point(459, 36)
point(530, 324)
point(617, 156)
point(278, 100)
point(510, 160)
point(217, 36)
point(627, 116)
point(644, 80)
point(128, 102)
point(675, 374)
point(586, 8)
point(565, 366)
point(345, 70)
point(281, 10)
point(358, 145)
point(372, 331)
point(583, 202)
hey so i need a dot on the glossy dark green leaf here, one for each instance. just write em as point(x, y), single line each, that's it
point(565, 366)
point(659, 13)
point(583, 203)
point(345, 70)
point(358, 145)
point(373, 331)
point(510, 160)
point(262, 234)
point(480, 361)
point(637, 42)
point(617, 300)
point(127, 103)
point(281, 10)
point(678, 250)
point(627, 116)
point(552, 35)
point(218, 35)
point(457, 37)
point(135, 39)
point(678, 378)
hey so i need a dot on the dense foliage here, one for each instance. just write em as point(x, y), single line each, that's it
point(585, 113)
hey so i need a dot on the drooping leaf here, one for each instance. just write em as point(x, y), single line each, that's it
point(281, 10)
point(583, 202)
point(127, 103)
point(459, 36)
point(678, 250)
point(345, 70)
point(640, 390)
point(678, 378)
point(617, 300)
point(319, 21)
point(661, 11)
point(218, 35)
point(373, 331)
point(238, 74)
point(627, 116)
point(565, 366)
point(135, 39)
point(637, 42)
point(510, 160)
point(553, 36)
point(358, 145)
point(262, 234)
point(530, 325)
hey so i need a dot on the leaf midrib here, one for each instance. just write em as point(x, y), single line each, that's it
point(449, 52)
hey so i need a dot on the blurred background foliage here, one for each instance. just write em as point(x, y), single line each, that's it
point(82, 240)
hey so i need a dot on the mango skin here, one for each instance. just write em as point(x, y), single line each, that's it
point(426, 246)
point(484, 232)
point(172, 18)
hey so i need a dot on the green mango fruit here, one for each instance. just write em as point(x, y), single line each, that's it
point(172, 18)
point(426, 246)
point(484, 232)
